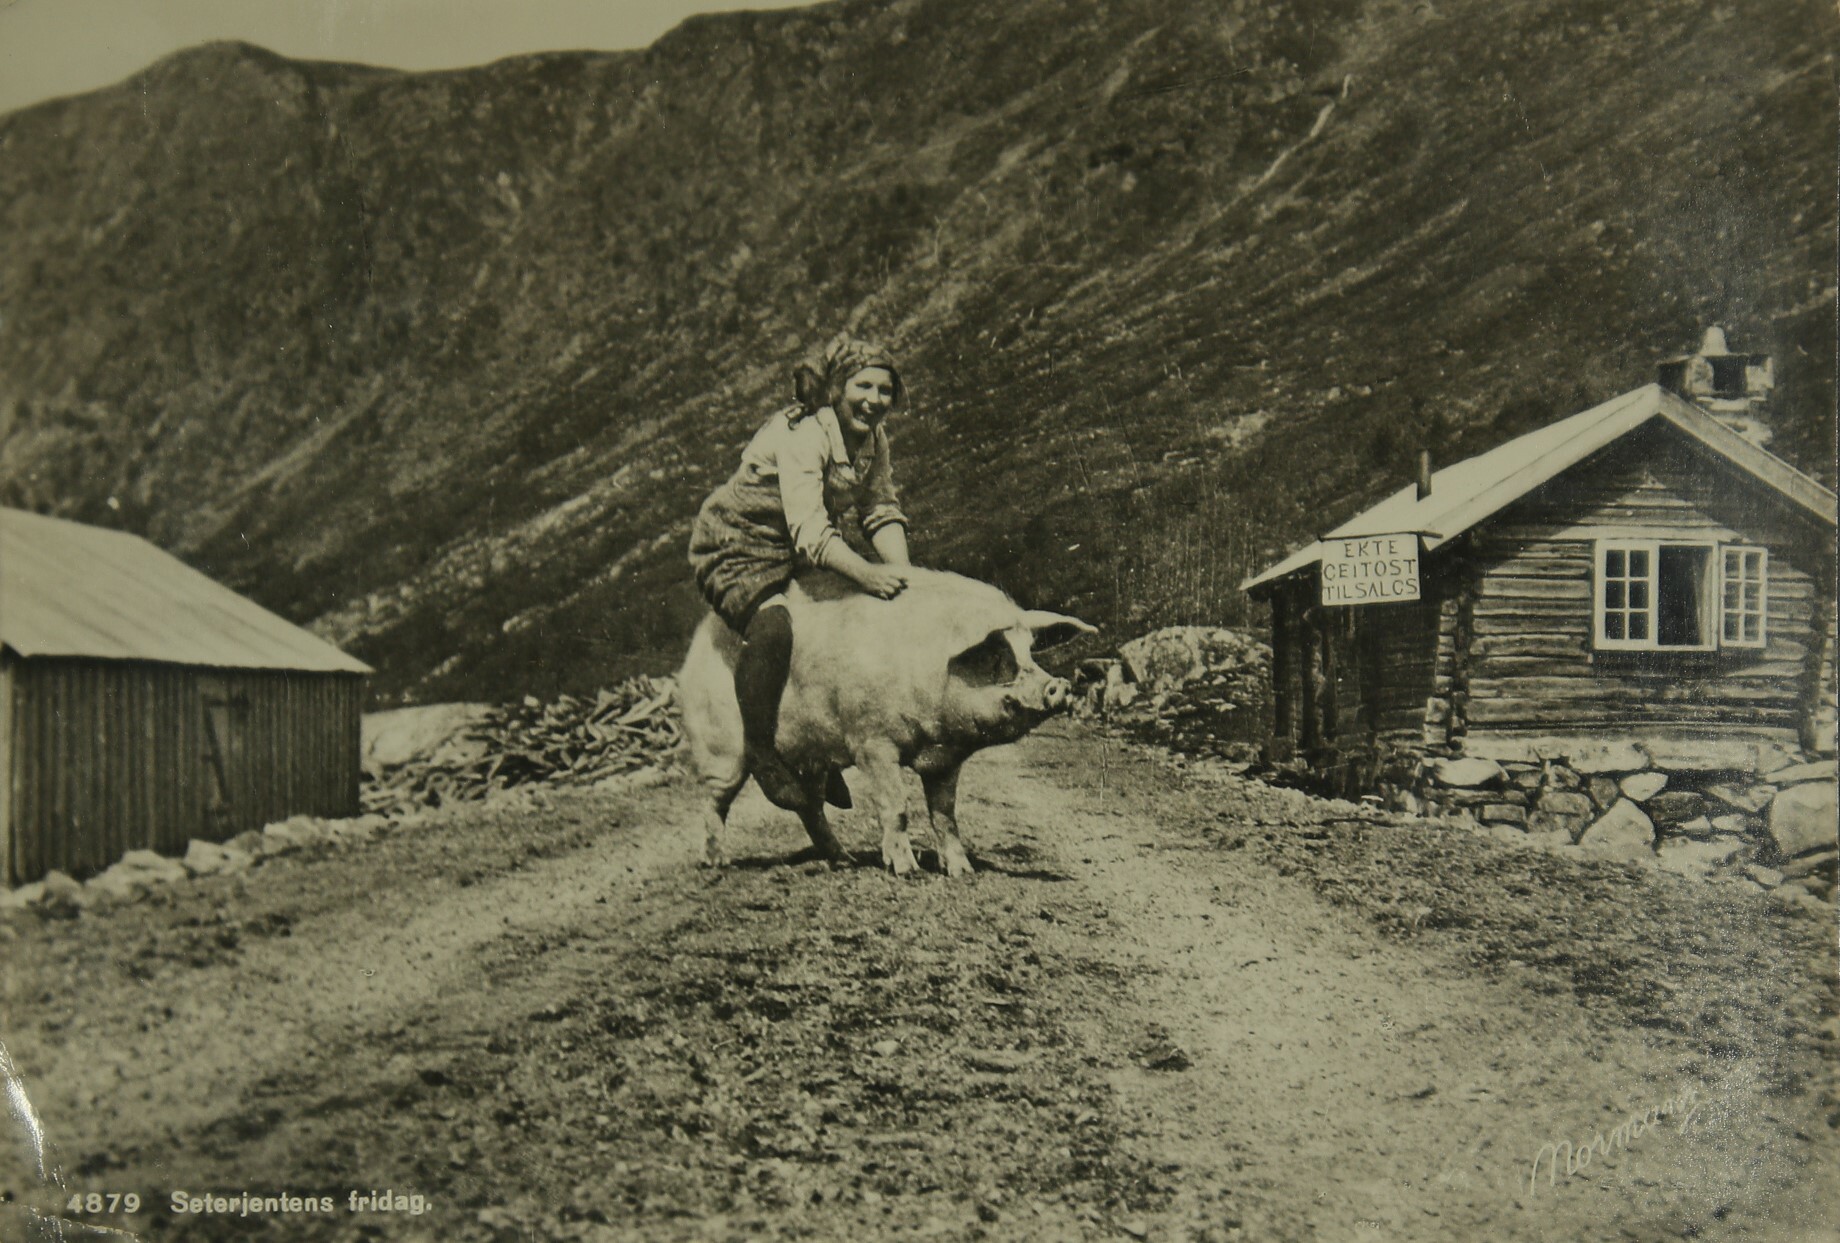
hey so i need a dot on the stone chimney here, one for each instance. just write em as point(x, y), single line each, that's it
point(1734, 388)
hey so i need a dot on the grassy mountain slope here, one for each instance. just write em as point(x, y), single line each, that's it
point(443, 363)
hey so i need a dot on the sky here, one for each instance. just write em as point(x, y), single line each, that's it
point(62, 47)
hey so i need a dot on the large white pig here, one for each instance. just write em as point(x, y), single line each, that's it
point(921, 681)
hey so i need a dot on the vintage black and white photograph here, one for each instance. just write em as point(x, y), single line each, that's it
point(1166, 620)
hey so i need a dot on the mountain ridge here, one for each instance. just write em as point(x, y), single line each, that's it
point(441, 364)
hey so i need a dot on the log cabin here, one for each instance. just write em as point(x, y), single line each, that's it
point(1641, 586)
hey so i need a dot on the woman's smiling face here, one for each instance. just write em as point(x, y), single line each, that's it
point(868, 395)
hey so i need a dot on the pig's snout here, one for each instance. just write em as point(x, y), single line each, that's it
point(1058, 695)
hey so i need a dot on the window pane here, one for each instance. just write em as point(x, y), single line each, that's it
point(1753, 627)
point(1613, 595)
point(1638, 625)
point(1732, 593)
point(1733, 623)
point(1613, 625)
point(1638, 563)
point(1613, 563)
point(1638, 595)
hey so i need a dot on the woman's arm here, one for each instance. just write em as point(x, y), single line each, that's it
point(882, 519)
point(800, 461)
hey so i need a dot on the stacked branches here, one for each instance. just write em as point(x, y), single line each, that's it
point(569, 741)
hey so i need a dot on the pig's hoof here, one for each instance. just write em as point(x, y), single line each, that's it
point(714, 856)
point(899, 857)
point(956, 862)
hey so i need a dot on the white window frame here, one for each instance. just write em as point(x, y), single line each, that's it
point(1761, 611)
point(1712, 600)
point(1602, 640)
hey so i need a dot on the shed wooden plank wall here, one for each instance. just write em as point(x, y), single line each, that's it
point(106, 757)
point(1532, 666)
point(1349, 676)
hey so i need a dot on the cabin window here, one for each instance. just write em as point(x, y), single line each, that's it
point(1656, 595)
point(1741, 596)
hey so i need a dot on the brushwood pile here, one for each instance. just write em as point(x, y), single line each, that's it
point(570, 740)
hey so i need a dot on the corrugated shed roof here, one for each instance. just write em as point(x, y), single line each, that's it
point(1469, 491)
point(67, 589)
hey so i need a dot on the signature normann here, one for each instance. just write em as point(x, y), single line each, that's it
point(1683, 1107)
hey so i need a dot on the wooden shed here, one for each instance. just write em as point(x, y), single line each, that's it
point(1640, 579)
point(143, 704)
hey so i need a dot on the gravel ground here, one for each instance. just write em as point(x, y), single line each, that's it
point(1173, 1005)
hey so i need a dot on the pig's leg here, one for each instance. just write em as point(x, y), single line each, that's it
point(942, 806)
point(819, 829)
point(881, 768)
point(715, 819)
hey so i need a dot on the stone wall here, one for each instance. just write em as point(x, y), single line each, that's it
point(1763, 812)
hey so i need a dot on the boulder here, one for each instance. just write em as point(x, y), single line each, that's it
point(1699, 826)
point(1810, 863)
point(429, 733)
point(1674, 806)
point(1551, 839)
point(1771, 757)
point(1802, 818)
point(1641, 787)
point(292, 834)
point(1568, 803)
point(1704, 755)
point(1168, 659)
point(1591, 759)
point(1604, 792)
point(1560, 777)
point(1767, 877)
point(1692, 858)
point(1525, 776)
point(1730, 822)
point(119, 884)
point(204, 858)
point(1749, 798)
point(63, 891)
point(24, 896)
point(1820, 770)
point(249, 841)
point(1466, 772)
point(1503, 813)
point(155, 867)
point(1623, 832)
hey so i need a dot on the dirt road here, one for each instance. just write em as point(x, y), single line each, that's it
point(1173, 1005)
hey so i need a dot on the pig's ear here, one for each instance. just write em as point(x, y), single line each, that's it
point(988, 662)
point(1054, 629)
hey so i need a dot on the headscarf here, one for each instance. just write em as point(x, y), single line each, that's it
point(843, 358)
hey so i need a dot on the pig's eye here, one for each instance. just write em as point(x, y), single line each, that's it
point(989, 663)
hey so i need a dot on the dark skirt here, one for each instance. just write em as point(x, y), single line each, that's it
point(738, 562)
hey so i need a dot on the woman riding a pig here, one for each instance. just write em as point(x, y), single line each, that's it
point(805, 469)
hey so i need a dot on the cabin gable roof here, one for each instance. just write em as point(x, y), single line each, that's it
point(1476, 488)
point(72, 590)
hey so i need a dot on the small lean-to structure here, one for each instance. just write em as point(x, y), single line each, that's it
point(143, 704)
point(1641, 587)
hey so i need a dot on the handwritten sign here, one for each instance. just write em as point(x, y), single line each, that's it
point(1370, 569)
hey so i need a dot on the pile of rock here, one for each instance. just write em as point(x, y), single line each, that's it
point(1200, 689)
point(423, 758)
point(1768, 816)
point(142, 872)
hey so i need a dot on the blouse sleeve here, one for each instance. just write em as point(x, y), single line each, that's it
point(802, 454)
point(881, 504)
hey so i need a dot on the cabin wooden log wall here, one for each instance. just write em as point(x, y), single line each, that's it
point(103, 757)
point(1532, 667)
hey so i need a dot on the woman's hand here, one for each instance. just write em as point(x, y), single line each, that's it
point(884, 582)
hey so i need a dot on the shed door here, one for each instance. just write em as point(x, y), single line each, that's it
point(223, 745)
